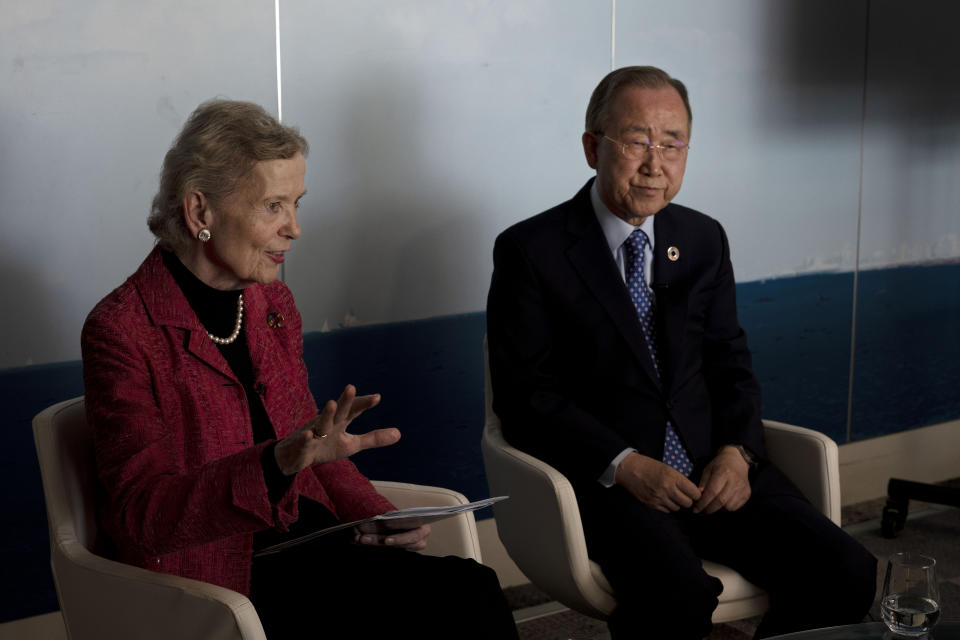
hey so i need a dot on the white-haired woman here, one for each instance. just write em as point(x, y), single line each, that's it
point(209, 444)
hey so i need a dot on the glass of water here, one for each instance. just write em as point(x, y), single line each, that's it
point(910, 603)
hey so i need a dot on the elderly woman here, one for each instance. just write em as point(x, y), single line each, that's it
point(209, 444)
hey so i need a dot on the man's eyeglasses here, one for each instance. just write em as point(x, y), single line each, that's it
point(638, 149)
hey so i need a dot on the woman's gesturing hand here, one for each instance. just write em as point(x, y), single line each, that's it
point(324, 438)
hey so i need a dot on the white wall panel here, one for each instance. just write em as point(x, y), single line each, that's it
point(775, 89)
point(911, 174)
point(434, 125)
point(91, 95)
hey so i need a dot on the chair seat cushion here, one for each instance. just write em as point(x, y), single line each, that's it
point(601, 579)
point(735, 586)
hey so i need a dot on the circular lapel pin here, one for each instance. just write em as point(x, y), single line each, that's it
point(275, 320)
point(673, 254)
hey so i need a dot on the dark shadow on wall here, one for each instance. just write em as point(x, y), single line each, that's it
point(813, 66)
point(912, 56)
point(817, 44)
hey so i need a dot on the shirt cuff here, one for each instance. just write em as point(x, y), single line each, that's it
point(609, 476)
point(277, 483)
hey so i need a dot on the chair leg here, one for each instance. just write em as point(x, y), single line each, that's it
point(899, 495)
point(894, 517)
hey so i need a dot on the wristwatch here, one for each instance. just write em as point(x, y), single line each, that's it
point(751, 461)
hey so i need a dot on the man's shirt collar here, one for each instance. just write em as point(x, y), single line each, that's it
point(616, 230)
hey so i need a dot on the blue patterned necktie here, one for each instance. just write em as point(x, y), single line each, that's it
point(674, 453)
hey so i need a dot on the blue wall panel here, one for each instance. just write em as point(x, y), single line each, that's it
point(26, 587)
point(430, 373)
point(798, 330)
point(907, 371)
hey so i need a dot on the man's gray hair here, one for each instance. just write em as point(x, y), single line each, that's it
point(598, 110)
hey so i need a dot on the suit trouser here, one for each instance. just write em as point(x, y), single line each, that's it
point(815, 574)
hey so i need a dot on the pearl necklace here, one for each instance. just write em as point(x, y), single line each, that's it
point(236, 329)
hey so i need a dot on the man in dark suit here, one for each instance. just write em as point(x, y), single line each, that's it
point(617, 357)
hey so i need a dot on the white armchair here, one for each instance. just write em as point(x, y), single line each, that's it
point(108, 600)
point(541, 529)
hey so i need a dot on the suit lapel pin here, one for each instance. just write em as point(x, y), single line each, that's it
point(275, 320)
point(673, 254)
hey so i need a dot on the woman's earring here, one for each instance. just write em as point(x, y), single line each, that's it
point(204, 235)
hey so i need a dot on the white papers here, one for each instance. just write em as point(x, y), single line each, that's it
point(400, 520)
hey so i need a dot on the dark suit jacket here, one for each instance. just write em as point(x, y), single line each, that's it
point(174, 444)
point(572, 378)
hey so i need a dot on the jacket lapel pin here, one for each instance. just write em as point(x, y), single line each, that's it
point(275, 320)
point(673, 254)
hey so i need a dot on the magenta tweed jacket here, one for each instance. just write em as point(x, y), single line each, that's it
point(184, 489)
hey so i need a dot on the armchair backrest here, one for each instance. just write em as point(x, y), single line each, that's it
point(65, 449)
point(108, 600)
point(554, 554)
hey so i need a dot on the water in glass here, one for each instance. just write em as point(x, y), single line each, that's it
point(909, 615)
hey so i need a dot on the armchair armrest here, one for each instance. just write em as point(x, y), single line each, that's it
point(455, 536)
point(811, 460)
point(102, 598)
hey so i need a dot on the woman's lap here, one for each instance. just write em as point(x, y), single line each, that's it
point(339, 587)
